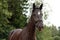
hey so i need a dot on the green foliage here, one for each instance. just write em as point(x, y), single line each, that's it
point(54, 31)
point(45, 34)
point(56, 38)
point(59, 31)
point(11, 16)
point(17, 8)
point(48, 33)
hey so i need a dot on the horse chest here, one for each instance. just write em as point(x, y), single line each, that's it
point(27, 35)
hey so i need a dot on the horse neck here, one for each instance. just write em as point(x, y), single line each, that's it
point(31, 29)
point(31, 25)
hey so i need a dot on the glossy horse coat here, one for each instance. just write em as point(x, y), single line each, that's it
point(28, 33)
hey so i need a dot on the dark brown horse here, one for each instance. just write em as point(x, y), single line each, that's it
point(28, 33)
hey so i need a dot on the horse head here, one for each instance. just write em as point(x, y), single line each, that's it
point(37, 16)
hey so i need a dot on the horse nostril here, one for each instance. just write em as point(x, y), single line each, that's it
point(40, 28)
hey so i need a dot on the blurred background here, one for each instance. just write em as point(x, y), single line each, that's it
point(16, 13)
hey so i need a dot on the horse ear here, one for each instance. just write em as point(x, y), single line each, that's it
point(33, 6)
point(41, 6)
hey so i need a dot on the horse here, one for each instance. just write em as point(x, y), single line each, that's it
point(28, 32)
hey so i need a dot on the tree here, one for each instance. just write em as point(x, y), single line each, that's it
point(17, 9)
point(45, 34)
point(11, 17)
point(59, 31)
point(54, 31)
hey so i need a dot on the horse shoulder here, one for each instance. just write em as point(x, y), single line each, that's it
point(14, 34)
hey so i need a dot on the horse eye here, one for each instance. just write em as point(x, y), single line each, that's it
point(38, 13)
